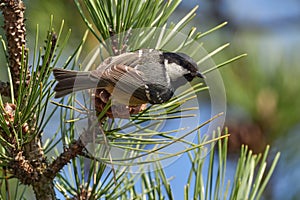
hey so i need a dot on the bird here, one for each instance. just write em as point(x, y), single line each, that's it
point(132, 78)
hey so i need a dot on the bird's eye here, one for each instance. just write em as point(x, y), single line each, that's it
point(189, 77)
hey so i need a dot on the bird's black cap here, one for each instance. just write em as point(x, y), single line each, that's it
point(184, 61)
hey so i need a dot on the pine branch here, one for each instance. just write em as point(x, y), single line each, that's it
point(15, 31)
point(74, 149)
point(27, 161)
point(21, 138)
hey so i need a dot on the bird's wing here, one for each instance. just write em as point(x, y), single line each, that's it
point(137, 74)
point(127, 82)
point(123, 74)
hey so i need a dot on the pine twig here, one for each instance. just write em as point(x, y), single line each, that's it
point(75, 148)
point(28, 162)
point(15, 31)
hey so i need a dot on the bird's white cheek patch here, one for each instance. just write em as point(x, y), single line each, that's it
point(174, 71)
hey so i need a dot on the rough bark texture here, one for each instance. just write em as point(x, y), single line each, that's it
point(22, 143)
point(13, 13)
point(28, 162)
point(69, 153)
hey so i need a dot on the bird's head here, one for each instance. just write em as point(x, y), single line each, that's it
point(179, 65)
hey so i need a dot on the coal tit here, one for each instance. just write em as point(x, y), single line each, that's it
point(132, 78)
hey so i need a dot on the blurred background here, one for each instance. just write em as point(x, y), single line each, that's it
point(263, 89)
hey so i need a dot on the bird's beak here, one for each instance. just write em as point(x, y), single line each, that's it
point(198, 74)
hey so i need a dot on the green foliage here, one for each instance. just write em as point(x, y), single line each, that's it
point(119, 16)
point(249, 181)
point(36, 96)
point(207, 178)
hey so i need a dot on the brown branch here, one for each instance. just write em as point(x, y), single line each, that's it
point(13, 12)
point(75, 148)
point(28, 162)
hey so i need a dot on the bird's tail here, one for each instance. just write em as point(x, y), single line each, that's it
point(70, 81)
